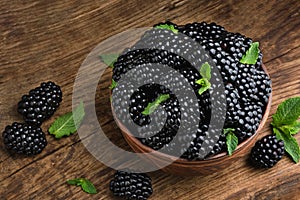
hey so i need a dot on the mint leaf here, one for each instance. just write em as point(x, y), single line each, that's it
point(153, 105)
point(205, 72)
point(88, 187)
point(109, 59)
point(74, 182)
point(231, 140)
point(205, 86)
point(67, 124)
point(292, 129)
point(277, 134)
point(290, 144)
point(168, 27)
point(85, 184)
point(251, 55)
point(287, 112)
point(113, 84)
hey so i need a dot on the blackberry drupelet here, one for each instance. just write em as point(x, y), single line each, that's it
point(24, 139)
point(133, 186)
point(40, 103)
point(267, 152)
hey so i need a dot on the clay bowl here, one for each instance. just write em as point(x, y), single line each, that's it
point(183, 167)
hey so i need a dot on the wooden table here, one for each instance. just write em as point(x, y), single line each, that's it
point(48, 40)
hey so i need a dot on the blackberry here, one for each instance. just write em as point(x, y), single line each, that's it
point(40, 103)
point(267, 152)
point(203, 31)
point(234, 108)
point(192, 152)
point(131, 185)
point(263, 83)
point(140, 99)
point(235, 44)
point(219, 146)
point(170, 127)
point(24, 139)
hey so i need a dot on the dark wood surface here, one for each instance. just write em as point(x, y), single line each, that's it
point(48, 40)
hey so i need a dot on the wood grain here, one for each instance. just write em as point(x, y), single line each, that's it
point(48, 40)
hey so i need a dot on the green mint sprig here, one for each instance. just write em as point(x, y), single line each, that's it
point(205, 72)
point(251, 55)
point(285, 124)
point(231, 140)
point(67, 124)
point(151, 107)
point(113, 84)
point(86, 185)
point(167, 27)
point(109, 59)
point(293, 128)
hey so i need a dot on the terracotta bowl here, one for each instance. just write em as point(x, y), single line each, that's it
point(183, 167)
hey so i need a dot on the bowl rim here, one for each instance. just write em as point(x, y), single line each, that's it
point(216, 157)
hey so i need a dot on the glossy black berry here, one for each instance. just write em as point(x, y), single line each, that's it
point(40, 103)
point(267, 151)
point(24, 139)
point(133, 186)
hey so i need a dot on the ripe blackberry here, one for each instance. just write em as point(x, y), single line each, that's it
point(133, 186)
point(40, 103)
point(235, 44)
point(234, 108)
point(24, 139)
point(219, 146)
point(263, 83)
point(267, 151)
point(170, 128)
point(203, 31)
point(192, 150)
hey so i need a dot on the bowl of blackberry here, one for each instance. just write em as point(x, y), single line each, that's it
point(208, 85)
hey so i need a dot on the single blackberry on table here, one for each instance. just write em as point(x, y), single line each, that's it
point(133, 186)
point(24, 139)
point(267, 152)
point(40, 103)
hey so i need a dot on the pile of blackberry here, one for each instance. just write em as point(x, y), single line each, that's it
point(36, 106)
point(246, 86)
